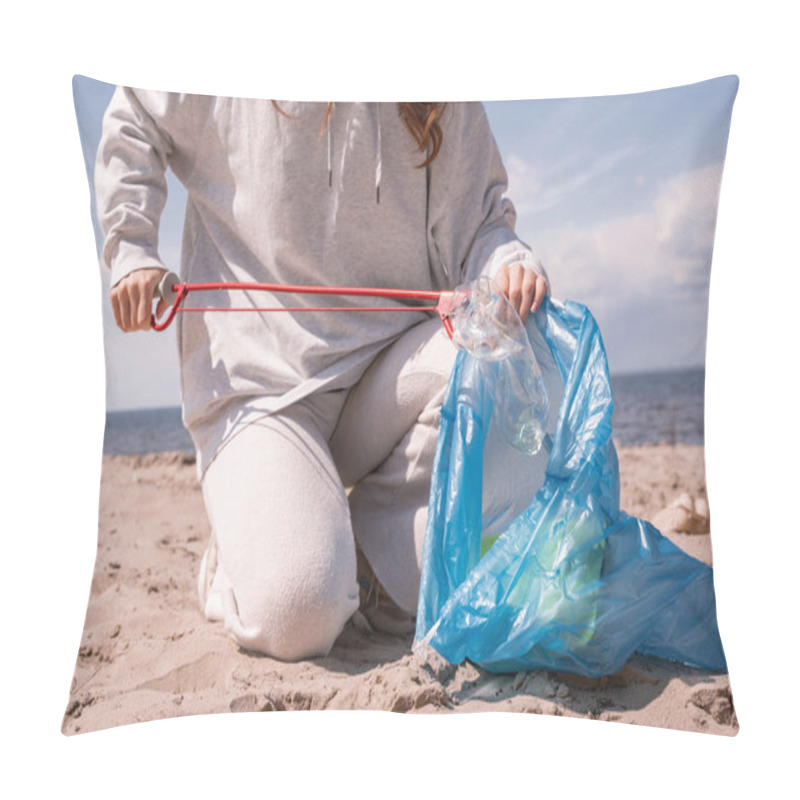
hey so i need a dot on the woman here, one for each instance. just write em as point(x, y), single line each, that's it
point(288, 409)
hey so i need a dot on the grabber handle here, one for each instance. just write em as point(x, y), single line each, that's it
point(171, 291)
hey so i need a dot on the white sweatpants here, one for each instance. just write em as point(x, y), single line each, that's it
point(285, 582)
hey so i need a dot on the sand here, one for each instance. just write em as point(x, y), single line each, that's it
point(147, 653)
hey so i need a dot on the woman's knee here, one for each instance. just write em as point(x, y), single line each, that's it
point(291, 623)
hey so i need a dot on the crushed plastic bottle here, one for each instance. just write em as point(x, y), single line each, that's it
point(486, 325)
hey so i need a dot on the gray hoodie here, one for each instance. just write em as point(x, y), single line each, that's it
point(273, 198)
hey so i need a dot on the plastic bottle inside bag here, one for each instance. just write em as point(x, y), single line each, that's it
point(486, 325)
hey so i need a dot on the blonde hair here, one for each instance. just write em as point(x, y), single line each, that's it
point(421, 119)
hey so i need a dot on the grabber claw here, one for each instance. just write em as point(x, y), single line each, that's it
point(444, 308)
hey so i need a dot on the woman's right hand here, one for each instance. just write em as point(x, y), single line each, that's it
point(524, 287)
point(132, 299)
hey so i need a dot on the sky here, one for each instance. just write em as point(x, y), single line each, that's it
point(617, 195)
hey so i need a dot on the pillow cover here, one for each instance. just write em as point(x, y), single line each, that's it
point(617, 196)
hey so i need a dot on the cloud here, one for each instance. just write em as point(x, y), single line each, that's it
point(686, 217)
point(541, 187)
point(668, 245)
point(658, 258)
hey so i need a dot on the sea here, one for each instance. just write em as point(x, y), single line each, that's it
point(649, 408)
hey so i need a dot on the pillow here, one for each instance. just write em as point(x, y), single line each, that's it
point(616, 197)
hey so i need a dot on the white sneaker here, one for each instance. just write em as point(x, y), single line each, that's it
point(210, 583)
point(380, 611)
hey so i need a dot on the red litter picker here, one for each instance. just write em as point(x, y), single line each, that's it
point(174, 292)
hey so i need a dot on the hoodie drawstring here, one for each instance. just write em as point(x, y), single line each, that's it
point(378, 155)
point(378, 152)
point(330, 146)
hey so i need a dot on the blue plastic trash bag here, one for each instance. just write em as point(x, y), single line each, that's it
point(573, 583)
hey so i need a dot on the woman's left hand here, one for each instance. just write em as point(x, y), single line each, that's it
point(524, 288)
